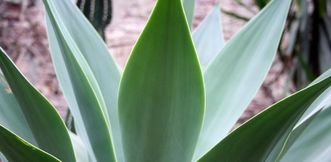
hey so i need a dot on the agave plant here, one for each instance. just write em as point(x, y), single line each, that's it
point(169, 104)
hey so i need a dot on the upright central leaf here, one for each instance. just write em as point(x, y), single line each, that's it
point(161, 99)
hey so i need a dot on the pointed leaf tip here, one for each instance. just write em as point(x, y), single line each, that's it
point(161, 99)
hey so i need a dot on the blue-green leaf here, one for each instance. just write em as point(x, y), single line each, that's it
point(90, 111)
point(11, 114)
point(42, 118)
point(208, 37)
point(259, 138)
point(235, 75)
point(16, 149)
point(189, 10)
point(161, 99)
point(313, 144)
point(96, 54)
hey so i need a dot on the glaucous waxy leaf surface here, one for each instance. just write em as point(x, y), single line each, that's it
point(81, 152)
point(11, 114)
point(234, 76)
point(295, 134)
point(161, 99)
point(16, 149)
point(12, 118)
point(208, 37)
point(44, 122)
point(323, 100)
point(97, 59)
point(91, 113)
point(189, 10)
point(314, 143)
point(257, 139)
point(311, 142)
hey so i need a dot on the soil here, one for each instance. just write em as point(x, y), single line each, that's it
point(23, 36)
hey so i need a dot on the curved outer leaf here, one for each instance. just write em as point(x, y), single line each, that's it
point(313, 144)
point(315, 135)
point(12, 117)
point(45, 123)
point(323, 76)
point(92, 112)
point(324, 100)
point(295, 134)
point(11, 114)
point(161, 99)
point(189, 10)
point(208, 37)
point(257, 139)
point(96, 54)
point(91, 47)
point(235, 75)
point(16, 149)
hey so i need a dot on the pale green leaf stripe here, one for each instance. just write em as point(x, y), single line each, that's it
point(314, 143)
point(45, 123)
point(208, 37)
point(98, 58)
point(189, 10)
point(244, 143)
point(161, 99)
point(235, 75)
point(86, 90)
point(16, 149)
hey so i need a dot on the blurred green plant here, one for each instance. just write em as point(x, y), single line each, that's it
point(309, 31)
point(260, 3)
point(166, 105)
